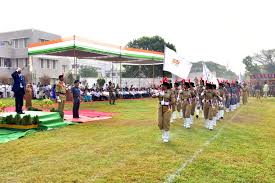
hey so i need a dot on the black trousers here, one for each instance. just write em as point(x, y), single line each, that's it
point(19, 101)
point(76, 108)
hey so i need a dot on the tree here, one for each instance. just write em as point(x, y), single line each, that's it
point(260, 62)
point(100, 82)
point(155, 43)
point(220, 70)
point(251, 68)
point(88, 71)
point(45, 80)
point(69, 79)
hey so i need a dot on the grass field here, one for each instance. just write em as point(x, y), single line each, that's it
point(128, 148)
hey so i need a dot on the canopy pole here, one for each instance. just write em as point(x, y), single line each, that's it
point(75, 62)
point(120, 82)
point(112, 72)
point(153, 75)
point(139, 76)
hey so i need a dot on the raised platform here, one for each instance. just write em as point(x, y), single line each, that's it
point(47, 120)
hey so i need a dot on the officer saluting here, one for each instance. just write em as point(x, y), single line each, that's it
point(166, 100)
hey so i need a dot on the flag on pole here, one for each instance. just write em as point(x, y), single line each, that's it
point(208, 75)
point(175, 64)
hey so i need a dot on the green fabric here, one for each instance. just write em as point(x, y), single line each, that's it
point(47, 121)
point(7, 135)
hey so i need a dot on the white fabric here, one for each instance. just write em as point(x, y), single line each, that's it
point(208, 75)
point(175, 64)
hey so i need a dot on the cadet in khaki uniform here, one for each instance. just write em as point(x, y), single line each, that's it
point(199, 91)
point(60, 91)
point(215, 106)
point(245, 93)
point(193, 101)
point(166, 100)
point(221, 101)
point(186, 106)
point(176, 107)
point(208, 108)
point(112, 94)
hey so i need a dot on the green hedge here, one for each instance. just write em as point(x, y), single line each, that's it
point(18, 120)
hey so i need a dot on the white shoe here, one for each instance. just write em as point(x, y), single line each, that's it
point(166, 136)
point(214, 121)
point(180, 114)
point(188, 123)
point(211, 126)
point(202, 114)
point(162, 134)
point(174, 115)
point(207, 123)
point(191, 119)
point(222, 114)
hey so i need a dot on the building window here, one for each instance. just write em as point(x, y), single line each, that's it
point(54, 64)
point(42, 63)
point(7, 62)
point(0, 62)
point(26, 62)
point(25, 42)
point(16, 43)
point(17, 62)
point(48, 64)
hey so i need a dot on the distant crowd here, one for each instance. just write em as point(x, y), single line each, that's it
point(94, 93)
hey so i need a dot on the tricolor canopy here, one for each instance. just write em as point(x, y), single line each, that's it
point(85, 49)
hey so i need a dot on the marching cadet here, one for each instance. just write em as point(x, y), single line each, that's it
point(233, 104)
point(166, 100)
point(214, 104)
point(199, 104)
point(227, 96)
point(245, 91)
point(221, 101)
point(208, 106)
point(60, 91)
point(186, 106)
point(176, 107)
point(112, 94)
point(193, 101)
point(238, 89)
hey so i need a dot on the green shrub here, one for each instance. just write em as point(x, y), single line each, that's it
point(10, 120)
point(27, 120)
point(35, 120)
point(46, 103)
point(17, 119)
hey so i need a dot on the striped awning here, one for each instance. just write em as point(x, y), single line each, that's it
point(85, 49)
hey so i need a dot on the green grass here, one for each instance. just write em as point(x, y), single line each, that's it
point(128, 148)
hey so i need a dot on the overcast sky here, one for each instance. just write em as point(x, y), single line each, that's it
point(224, 31)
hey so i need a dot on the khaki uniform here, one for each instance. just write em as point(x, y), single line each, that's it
point(164, 111)
point(245, 94)
point(112, 94)
point(186, 106)
point(193, 102)
point(208, 105)
point(177, 105)
point(60, 91)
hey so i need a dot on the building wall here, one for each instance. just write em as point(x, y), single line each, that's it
point(13, 46)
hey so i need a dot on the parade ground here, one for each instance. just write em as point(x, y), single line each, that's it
point(128, 148)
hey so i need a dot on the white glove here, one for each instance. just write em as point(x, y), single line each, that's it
point(161, 94)
point(18, 69)
point(58, 99)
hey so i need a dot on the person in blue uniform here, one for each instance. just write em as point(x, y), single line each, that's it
point(76, 99)
point(19, 87)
